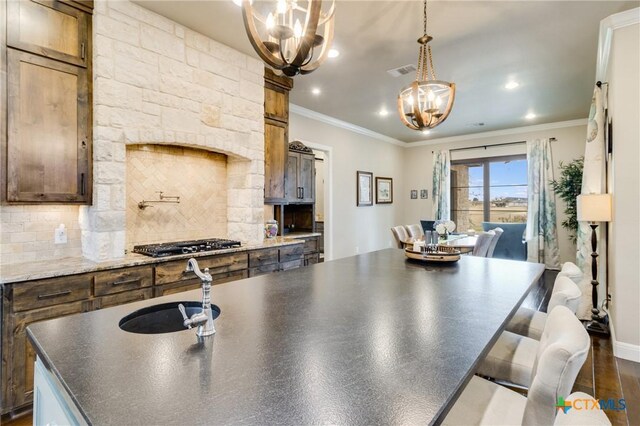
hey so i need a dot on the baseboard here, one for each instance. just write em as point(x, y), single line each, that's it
point(624, 350)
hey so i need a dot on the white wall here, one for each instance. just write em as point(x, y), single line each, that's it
point(418, 163)
point(355, 229)
point(624, 251)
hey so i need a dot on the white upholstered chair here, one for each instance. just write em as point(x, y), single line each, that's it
point(561, 353)
point(415, 231)
point(494, 241)
point(530, 323)
point(572, 271)
point(482, 244)
point(581, 415)
point(400, 234)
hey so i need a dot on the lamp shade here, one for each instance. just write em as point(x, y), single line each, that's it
point(594, 207)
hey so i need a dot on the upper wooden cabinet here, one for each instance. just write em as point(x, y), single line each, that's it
point(276, 134)
point(300, 181)
point(49, 28)
point(48, 140)
point(48, 143)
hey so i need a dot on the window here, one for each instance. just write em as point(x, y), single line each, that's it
point(488, 190)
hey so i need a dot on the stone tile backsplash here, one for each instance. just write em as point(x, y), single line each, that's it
point(198, 177)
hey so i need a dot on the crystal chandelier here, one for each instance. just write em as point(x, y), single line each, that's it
point(294, 37)
point(427, 101)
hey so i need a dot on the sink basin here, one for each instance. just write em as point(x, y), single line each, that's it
point(163, 318)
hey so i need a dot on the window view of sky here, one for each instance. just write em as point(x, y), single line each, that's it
point(501, 173)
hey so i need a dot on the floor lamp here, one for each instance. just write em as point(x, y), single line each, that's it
point(595, 208)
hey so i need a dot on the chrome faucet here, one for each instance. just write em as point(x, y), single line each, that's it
point(203, 319)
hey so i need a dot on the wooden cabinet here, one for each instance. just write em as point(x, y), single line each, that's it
point(276, 129)
point(50, 28)
point(39, 300)
point(300, 181)
point(265, 261)
point(47, 145)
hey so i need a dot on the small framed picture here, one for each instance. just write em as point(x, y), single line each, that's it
point(364, 189)
point(414, 194)
point(384, 190)
point(424, 194)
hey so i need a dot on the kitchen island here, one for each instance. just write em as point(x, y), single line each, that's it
point(370, 339)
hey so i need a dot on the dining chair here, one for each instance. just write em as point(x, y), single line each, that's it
point(482, 243)
point(530, 323)
point(400, 234)
point(562, 351)
point(513, 356)
point(494, 241)
point(415, 231)
point(586, 413)
point(572, 271)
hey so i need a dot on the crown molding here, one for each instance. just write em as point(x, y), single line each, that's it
point(505, 132)
point(607, 26)
point(297, 109)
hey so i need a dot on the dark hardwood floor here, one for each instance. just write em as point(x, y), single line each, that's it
point(602, 375)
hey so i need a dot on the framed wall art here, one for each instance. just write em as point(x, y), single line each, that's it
point(424, 194)
point(364, 188)
point(414, 194)
point(384, 190)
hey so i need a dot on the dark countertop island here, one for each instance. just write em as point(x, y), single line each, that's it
point(370, 339)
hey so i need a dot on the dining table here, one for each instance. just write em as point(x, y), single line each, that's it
point(370, 339)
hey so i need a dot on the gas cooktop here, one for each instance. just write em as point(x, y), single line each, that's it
point(185, 247)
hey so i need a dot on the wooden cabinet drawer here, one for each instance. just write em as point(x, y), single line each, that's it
point(54, 291)
point(291, 253)
point(175, 271)
point(264, 269)
point(311, 259)
point(311, 245)
point(120, 280)
point(195, 283)
point(49, 28)
point(263, 257)
point(292, 264)
point(122, 298)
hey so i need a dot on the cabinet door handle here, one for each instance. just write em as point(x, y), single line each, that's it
point(302, 192)
point(82, 49)
point(52, 295)
point(131, 281)
point(82, 190)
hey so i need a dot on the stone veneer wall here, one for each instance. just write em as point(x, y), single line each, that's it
point(157, 82)
point(198, 177)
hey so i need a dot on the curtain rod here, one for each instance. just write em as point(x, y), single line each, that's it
point(492, 145)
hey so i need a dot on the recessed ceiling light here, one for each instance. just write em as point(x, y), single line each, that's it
point(511, 85)
point(383, 112)
point(239, 2)
point(530, 116)
point(333, 53)
point(316, 91)
point(426, 132)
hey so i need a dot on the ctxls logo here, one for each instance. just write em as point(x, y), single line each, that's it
point(591, 404)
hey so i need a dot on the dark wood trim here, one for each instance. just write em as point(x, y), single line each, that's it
point(3, 101)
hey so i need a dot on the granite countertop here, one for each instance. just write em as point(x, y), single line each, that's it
point(369, 339)
point(19, 272)
point(302, 234)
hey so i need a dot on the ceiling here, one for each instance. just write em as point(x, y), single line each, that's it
point(548, 47)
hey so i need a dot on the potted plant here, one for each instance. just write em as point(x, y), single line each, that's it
point(568, 187)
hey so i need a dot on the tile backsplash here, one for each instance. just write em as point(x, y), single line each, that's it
point(27, 233)
point(198, 177)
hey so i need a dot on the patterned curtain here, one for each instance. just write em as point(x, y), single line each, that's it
point(593, 182)
point(542, 233)
point(441, 185)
